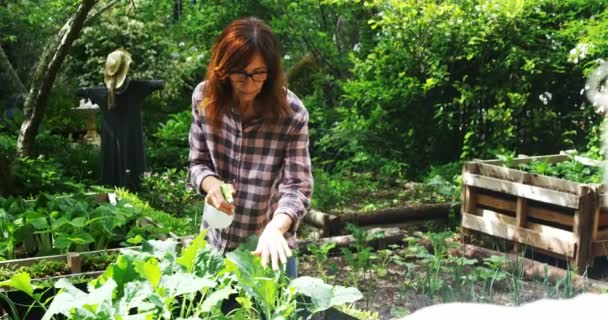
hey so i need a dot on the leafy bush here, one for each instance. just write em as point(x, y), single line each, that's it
point(169, 146)
point(333, 190)
point(570, 170)
point(462, 79)
point(167, 191)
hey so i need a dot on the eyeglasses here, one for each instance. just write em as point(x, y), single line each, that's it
point(257, 76)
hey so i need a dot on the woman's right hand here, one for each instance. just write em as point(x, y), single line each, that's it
point(215, 197)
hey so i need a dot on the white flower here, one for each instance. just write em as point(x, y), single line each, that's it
point(545, 97)
point(579, 52)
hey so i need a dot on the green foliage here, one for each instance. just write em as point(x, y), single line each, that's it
point(120, 27)
point(168, 147)
point(54, 224)
point(39, 269)
point(462, 79)
point(176, 222)
point(167, 191)
point(156, 282)
point(41, 174)
point(570, 170)
point(337, 189)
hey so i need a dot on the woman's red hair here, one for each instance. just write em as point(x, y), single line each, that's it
point(232, 51)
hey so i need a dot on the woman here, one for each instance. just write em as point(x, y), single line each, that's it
point(250, 132)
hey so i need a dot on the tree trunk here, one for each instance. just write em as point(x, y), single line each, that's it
point(399, 215)
point(9, 75)
point(45, 73)
point(391, 236)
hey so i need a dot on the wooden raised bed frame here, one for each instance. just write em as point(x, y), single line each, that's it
point(74, 259)
point(555, 216)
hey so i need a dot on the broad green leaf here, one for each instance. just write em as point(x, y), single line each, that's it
point(216, 297)
point(135, 240)
point(22, 282)
point(160, 249)
point(324, 296)
point(189, 253)
point(183, 283)
point(79, 222)
point(71, 299)
point(150, 270)
point(39, 223)
point(136, 295)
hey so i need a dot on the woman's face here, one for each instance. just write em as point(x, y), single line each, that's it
point(248, 83)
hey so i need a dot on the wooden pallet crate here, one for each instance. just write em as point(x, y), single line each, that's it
point(555, 216)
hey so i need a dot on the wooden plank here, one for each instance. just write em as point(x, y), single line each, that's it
point(590, 162)
point(521, 212)
point(552, 158)
point(561, 245)
point(601, 235)
point(495, 202)
point(521, 190)
point(469, 197)
point(533, 212)
point(604, 201)
point(603, 219)
point(515, 175)
point(551, 216)
point(60, 257)
point(30, 261)
point(521, 206)
point(596, 222)
point(492, 216)
point(583, 227)
point(470, 194)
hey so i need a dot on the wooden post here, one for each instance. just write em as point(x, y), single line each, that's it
point(469, 198)
point(583, 227)
point(74, 262)
point(521, 215)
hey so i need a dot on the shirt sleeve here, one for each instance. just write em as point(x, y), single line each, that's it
point(295, 188)
point(199, 157)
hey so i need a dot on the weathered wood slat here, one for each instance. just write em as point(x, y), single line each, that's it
point(521, 190)
point(604, 200)
point(552, 158)
point(557, 244)
point(515, 175)
point(427, 211)
point(492, 216)
point(533, 212)
point(603, 219)
point(601, 235)
point(60, 257)
point(583, 226)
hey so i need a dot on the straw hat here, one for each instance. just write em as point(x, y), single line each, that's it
point(115, 72)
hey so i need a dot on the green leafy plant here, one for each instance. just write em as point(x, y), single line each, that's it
point(321, 254)
point(158, 282)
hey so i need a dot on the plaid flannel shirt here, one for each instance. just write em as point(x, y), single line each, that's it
point(269, 166)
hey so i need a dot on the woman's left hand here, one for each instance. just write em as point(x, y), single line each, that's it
point(272, 245)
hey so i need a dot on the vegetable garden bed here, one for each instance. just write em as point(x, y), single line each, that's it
point(54, 235)
point(161, 280)
point(560, 217)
